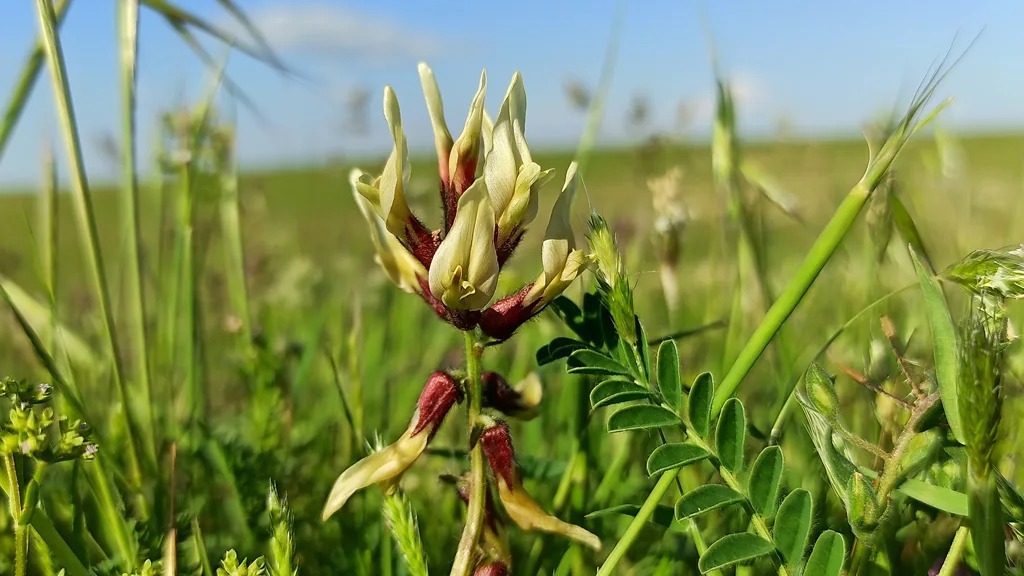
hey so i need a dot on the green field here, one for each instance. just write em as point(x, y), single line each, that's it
point(239, 348)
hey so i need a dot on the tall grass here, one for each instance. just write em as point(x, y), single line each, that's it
point(212, 358)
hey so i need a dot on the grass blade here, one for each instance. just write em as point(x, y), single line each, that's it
point(26, 82)
point(87, 221)
point(128, 36)
point(944, 347)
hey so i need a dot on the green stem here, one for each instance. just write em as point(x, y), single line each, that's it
point(641, 518)
point(14, 501)
point(956, 552)
point(463, 564)
point(826, 244)
point(820, 253)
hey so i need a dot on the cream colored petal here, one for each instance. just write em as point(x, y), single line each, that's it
point(531, 392)
point(560, 224)
point(468, 143)
point(398, 263)
point(513, 106)
point(392, 204)
point(501, 167)
point(435, 107)
point(528, 515)
point(464, 271)
point(383, 466)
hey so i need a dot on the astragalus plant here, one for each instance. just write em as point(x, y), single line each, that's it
point(489, 194)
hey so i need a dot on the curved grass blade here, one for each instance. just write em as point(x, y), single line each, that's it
point(944, 347)
point(662, 515)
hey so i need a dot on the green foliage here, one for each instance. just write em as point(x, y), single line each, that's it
point(733, 549)
point(793, 526)
point(828, 555)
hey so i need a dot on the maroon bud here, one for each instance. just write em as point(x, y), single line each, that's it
point(439, 394)
point(491, 569)
point(505, 316)
point(464, 485)
point(498, 394)
point(501, 455)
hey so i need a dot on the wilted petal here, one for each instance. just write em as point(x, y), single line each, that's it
point(464, 271)
point(466, 150)
point(521, 508)
point(386, 466)
point(398, 263)
point(435, 107)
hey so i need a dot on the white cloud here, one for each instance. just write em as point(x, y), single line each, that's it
point(749, 94)
point(331, 31)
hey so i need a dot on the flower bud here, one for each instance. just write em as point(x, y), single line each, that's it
point(435, 107)
point(466, 150)
point(496, 442)
point(491, 569)
point(386, 466)
point(513, 178)
point(521, 401)
point(821, 391)
point(863, 510)
point(464, 271)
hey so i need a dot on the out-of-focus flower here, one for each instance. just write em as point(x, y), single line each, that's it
point(520, 401)
point(386, 466)
point(520, 506)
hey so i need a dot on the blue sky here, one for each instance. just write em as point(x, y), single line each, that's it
point(824, 67)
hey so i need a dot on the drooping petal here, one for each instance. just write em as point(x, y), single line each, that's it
point(376, 468)
point(398, 263)
point(387, 465)
point(466, 150)
point(435, 107)
point(464, 271)
point(496, 442)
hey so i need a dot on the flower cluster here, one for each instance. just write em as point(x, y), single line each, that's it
point(489, 193)
point(32, 429)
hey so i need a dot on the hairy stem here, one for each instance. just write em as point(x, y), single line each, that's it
point(475, 515)
point(956, 552)
point(14, 502)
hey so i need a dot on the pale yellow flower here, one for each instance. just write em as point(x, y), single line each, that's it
point(398, 263)
point(464, 272)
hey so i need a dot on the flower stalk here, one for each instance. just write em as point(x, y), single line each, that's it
point(478, 482)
